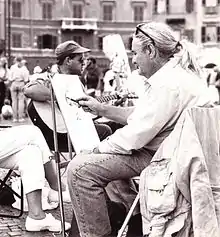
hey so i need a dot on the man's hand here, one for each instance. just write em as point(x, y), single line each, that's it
point(89, 104)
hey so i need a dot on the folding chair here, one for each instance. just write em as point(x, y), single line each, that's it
point(3, 184)
point(135, 183)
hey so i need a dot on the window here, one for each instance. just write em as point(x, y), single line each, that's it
point(107, 12)
point(77, 11)
point(211, 3)
point(46, 42)
point(161, 6)
point(16, 9)
point(138, 13)
point(209, 34)
point(78, 39)
point(189, 34)
point(16, 40)
point(47, 11)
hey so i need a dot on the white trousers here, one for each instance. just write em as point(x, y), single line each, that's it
point(24, 148)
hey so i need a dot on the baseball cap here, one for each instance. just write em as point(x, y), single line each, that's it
point(69, 47)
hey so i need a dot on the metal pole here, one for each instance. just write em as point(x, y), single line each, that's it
point(70, 147)
point(57, 160)
point(5, 21)
point(9, 32)
point(30, 25)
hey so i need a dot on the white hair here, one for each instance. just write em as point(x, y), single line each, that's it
point(164, 39)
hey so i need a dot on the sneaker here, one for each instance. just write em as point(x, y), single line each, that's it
point(48, 223)
point(53, 196)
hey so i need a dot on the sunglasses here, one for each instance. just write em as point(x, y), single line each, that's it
point(138, 29)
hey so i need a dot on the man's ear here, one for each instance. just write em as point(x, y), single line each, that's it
point(67, 60)
point(151, 50)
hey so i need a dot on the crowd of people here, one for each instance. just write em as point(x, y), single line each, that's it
point(171, 80)
point(13, 80)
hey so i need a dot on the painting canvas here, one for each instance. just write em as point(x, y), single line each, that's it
point(79, 123)
point(114, 49)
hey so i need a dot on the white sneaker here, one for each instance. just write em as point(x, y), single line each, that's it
point(48, 223)
point(53, 196)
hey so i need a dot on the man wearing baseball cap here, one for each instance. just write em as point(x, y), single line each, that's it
point(70, 60)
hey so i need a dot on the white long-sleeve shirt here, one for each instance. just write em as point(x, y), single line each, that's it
point(170, 90)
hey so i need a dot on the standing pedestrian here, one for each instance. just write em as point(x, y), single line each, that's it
point(19, 77)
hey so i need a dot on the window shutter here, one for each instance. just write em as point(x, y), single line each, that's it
point(167, 6)
point(189, 6)
point(155, 6)
point(130, 43)
point(54, 42)
point(100, 43)
point(218, 33)
point(203, 36)
point(40, 42)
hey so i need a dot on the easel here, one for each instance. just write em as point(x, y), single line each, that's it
point(57, 160)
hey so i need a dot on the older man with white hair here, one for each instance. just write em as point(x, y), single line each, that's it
point(174, 84)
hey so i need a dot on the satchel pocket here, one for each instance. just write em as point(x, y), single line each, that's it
point(161, 188)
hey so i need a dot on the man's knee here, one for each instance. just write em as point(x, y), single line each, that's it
point(75, 165)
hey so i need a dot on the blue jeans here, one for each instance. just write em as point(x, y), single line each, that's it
point(18, 99)
point(88, 177)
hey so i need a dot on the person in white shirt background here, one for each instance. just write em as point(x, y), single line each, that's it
point(19, 76)
point(174, 83)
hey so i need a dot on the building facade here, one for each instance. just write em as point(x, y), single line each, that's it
point(37, 26)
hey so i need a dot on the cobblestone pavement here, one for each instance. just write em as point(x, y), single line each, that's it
point(16, 226)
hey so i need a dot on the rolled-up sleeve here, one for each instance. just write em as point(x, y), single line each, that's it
point(152, 113)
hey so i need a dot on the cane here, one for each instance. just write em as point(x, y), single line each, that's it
point(57, 160)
